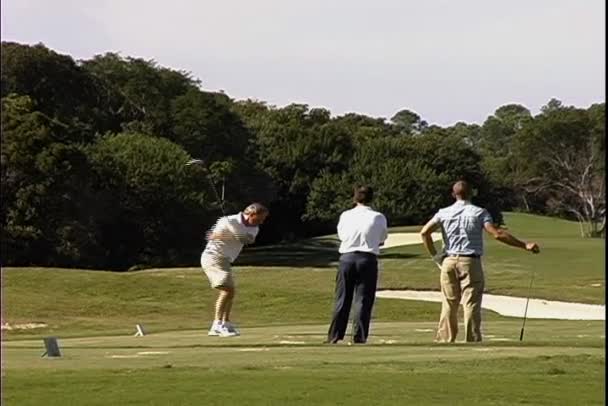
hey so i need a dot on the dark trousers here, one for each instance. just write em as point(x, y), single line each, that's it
point(357, 276)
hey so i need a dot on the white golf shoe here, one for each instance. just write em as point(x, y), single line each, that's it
point(229, 330)
point(215, 330)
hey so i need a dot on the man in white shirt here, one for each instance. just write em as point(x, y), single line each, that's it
point(225, 242)
point(361, 231)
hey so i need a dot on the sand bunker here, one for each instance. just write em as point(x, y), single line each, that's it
point(24, 326)
point(514, 306)
point(398, 239)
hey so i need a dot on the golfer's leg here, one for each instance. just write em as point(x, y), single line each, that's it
point(224, 297)
point(224, 282)
point(344, 298)
point(472, 293)
point(365, 295)
point(450, 289)
point(228, 305)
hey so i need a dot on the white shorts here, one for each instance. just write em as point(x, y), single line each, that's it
point(218, 271)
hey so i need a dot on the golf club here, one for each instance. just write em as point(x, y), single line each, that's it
point(521, 334)
point(201, 163)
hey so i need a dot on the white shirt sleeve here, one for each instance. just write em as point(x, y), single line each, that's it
point(251, 235)
point(341, 227)
point(383, 224)
point(222, 224)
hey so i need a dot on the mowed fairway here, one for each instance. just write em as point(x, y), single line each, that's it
point(283, 309)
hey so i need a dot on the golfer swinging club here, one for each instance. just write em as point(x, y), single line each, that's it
point(462, 277)
point(224, 243)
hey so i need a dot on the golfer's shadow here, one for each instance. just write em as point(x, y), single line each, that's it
point(320, 253)
point(317, 253)
point(398, 255)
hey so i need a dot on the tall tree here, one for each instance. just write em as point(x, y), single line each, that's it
point(409, 122)
point(159, 207)
point(48, 204)
point(142, 91)
point(560, 156)
point(58, 87)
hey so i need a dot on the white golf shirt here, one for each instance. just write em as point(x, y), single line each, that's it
point(361, 229)
point(231, 248)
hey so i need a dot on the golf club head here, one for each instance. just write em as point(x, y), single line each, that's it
point(195, 162)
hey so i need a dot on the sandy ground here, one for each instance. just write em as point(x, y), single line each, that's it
point(504, 305)
point(514, 306)
point(397, 239)
point(24, 326)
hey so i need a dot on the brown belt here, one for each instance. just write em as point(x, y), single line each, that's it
point(464, 255)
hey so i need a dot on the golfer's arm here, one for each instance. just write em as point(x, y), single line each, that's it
point(246, 239)
point(427, 239)
point(220, 232)
point(219, 235)
point(503, 236)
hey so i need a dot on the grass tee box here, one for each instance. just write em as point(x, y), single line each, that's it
point(284, 306)
point(288, 365)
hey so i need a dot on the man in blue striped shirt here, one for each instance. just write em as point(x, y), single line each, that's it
point(462, 278)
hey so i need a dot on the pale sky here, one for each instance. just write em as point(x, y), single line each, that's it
point(448, 61)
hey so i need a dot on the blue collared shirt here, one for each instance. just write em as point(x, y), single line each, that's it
point(462, 227)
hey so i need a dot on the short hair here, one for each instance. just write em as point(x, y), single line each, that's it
point(363, 194)
point(255, 208)
point(462, 190)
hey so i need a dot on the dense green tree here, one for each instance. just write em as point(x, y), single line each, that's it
point(140, 92)
point(409, 122)
point(363, 127)
point(159, 209)
point(58, 87)
point(469, 133)
point(412, 178)
point(47, 204)
point(93, 155)
point(205, 126)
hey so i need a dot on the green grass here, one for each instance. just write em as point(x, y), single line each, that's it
point(480, 382)
point(285, 294)
point(399, 365)
point(73, 302)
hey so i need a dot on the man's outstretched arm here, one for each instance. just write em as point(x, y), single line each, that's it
point(506, 238)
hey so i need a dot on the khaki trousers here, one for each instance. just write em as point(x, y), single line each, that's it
point(461, 280)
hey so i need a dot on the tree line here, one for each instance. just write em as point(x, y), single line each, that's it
point(93, 160)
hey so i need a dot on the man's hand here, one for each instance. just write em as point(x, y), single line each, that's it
point(245, 238)
point(438, 258)
point(532, 247)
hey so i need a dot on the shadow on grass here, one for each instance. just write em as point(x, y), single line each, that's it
point(315, 253)
point(399, 255)
point(318, 253)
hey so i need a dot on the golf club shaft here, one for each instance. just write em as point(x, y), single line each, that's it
point(521, 334)
point(217, 196)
